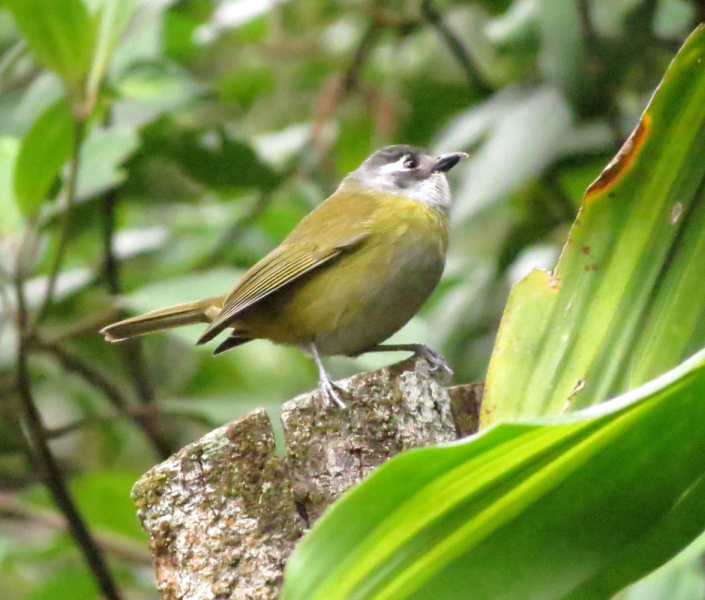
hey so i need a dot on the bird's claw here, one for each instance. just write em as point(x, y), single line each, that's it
point(436, 360)
point(332, 393)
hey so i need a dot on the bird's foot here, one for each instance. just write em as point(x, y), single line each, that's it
point(332, 393)
point(436, 360)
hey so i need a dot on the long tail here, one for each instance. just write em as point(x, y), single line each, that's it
point(203, 311)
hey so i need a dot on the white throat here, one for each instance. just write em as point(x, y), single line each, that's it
point(433, 190)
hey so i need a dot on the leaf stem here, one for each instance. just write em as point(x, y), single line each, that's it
point(147, 420)
point(65, 225)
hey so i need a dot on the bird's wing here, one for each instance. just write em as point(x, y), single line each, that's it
point(278, 269)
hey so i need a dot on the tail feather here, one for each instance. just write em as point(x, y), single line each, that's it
point(230, 342)
point(202, 311)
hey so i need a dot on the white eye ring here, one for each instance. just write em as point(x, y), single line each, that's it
point(410, 162)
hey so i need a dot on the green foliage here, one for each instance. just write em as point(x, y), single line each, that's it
point(210, 132)
point(474, 515)
point(454, 525)
point(624, 303)
point(114, 16)
point(67, 584)
point(61, 34)
point(111, 487)
point(44, 150)
point(12, 218)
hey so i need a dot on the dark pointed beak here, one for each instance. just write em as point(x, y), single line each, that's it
point(445, 162)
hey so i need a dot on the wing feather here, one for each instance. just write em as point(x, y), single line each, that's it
point(278, 269)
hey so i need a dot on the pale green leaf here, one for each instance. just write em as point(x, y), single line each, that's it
point(625, 302)
point(45, 149)
point(11, 220)
point(60, 32)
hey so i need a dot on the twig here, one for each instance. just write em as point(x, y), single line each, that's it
point(138, 411)
point(65, 222)
point(40, 454)
point(119, 546)
point(131, 351)
point(352, 73)
point(334, 90)
point(111, 267)
point(475, 78)
point(236, 229)
point(94, 377)
point(586, 25)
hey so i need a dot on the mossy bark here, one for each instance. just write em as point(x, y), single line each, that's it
point(224, 513)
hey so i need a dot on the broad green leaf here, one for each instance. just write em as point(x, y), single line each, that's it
point(45, 149)
point(60, 32)
point(209, 157)
point(682, 578)
point(572, 507)
point(625, 302)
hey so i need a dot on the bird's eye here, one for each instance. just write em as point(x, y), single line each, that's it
point(411, 163)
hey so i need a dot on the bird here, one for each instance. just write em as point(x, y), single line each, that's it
point(352, 273)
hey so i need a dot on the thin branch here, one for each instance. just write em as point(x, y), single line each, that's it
point(111, 266)
point(65, 223)
point(138, 411)
point(476, 80)
point(73, 363)
point(352, 73)
point(40, 454)
point(587, 27)
point(236, 229)
point(86, 326)
point(334, 91)
point(119, 546)
point(131, 350)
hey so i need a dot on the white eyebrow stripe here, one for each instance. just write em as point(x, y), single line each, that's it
point(395, 167)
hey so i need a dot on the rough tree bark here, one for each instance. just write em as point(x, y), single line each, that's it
point(224, 513)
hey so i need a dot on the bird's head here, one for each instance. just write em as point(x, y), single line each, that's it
point(409, 172)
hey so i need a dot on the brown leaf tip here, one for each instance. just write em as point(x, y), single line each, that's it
point(623, 159)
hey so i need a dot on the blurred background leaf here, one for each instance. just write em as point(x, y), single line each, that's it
point(212, 127)
point(44, 150)
point(60, 33)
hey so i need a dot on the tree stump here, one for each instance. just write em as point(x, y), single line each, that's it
point(224, 513)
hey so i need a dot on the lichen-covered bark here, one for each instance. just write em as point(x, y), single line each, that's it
point(224, 513)
point(390, 410)
point(220, 515)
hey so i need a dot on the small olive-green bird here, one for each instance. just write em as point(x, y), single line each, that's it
point(351, 273)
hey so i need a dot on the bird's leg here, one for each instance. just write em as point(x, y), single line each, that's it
point(435, 359)
point(331, 392)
